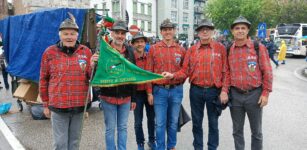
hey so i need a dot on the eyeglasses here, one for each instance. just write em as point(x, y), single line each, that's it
point(204, 29)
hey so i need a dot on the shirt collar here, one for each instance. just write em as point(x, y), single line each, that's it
point(163, 44)
point(199, 45)
point(248, 43)
point(139, 57)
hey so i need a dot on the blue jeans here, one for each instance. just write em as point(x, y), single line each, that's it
point(199, 97)
point(141, 100)
point(167, 106)
point(115, 116)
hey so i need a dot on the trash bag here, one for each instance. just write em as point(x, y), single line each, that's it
point(183, 118)
point(5, 107)
point(37, 112)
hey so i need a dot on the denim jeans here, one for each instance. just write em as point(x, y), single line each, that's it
point(141, 100)
point(115, 116)
point(167, 106)
point(199, 97)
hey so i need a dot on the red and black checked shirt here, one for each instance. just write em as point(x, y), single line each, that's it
point(63, 83)
point(247, 71)
point(206, 65)
point(117, 100)
point(162, 58)
point(140, 62)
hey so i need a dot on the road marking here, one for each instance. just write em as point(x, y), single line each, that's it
point(298, 74)
point(12, 140)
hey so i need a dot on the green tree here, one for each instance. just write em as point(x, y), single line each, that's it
point(224, 12)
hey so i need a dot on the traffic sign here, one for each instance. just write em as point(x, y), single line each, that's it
point(262, 30)
point(226, 32)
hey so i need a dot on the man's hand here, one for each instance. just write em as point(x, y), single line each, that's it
point(47, 112)
point(167, 75)
point(263, 101)
point(133, 106)
point(224, 97)
point(150, 99)
point(94, 60)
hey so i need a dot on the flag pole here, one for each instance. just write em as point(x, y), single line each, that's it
point(85, 105)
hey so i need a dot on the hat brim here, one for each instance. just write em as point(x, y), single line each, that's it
point(134, 39)
point(233, 25)
point(119, 28)
point(210, 27)
point(69, 28)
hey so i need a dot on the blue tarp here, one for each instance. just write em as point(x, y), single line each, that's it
point(25, 38)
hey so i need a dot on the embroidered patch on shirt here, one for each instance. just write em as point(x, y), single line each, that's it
point(178, 58)
point(252, 66)
point(82, 64)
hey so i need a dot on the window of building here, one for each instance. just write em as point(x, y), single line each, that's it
point(174, 4)
point(95, 6)
point(185, 4)
point(185, 17)
point(142, 25)
point(104, 5)
point(115, 6)
point(135, 7)
point(174, 16)
point(149, 26)
point(142, 8)
point(135, 22)
point(149, 10)
point(185, 29)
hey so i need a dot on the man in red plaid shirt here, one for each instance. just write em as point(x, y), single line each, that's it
point(63, 85)
point(251, 82)
point(166, 95)
point(206, 66)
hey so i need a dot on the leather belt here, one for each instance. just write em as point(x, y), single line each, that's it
point(244, 91)
point(167, 86)
point(203, 87)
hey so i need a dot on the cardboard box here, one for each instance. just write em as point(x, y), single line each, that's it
point(39, 99)
point(27, 91)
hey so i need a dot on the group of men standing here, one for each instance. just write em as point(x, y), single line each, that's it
point(240, 77)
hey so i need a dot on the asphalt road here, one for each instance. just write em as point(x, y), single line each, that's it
point(284, 120)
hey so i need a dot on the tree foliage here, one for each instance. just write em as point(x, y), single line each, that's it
point(224, 12)
point(272, 12)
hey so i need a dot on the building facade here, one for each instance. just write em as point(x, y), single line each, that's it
point(140, 12)
point(27, 6)
point(181, 13)
point(199, 6)
point(3, 9)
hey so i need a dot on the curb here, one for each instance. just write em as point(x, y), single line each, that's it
point(12, 140)
point(298, 73)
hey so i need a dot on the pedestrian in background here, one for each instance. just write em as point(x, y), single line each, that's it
point(166, 94)
point(63, 85)
point(251, 82)
point(272, 50)
point(205, 64)
point(282, 52)
point(118, 100)
point(139, 41)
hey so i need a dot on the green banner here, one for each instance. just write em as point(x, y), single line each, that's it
point(114, 69)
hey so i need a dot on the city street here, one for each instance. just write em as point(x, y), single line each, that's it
point(284, 120)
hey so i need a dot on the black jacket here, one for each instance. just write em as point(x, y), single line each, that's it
point(122, 90)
